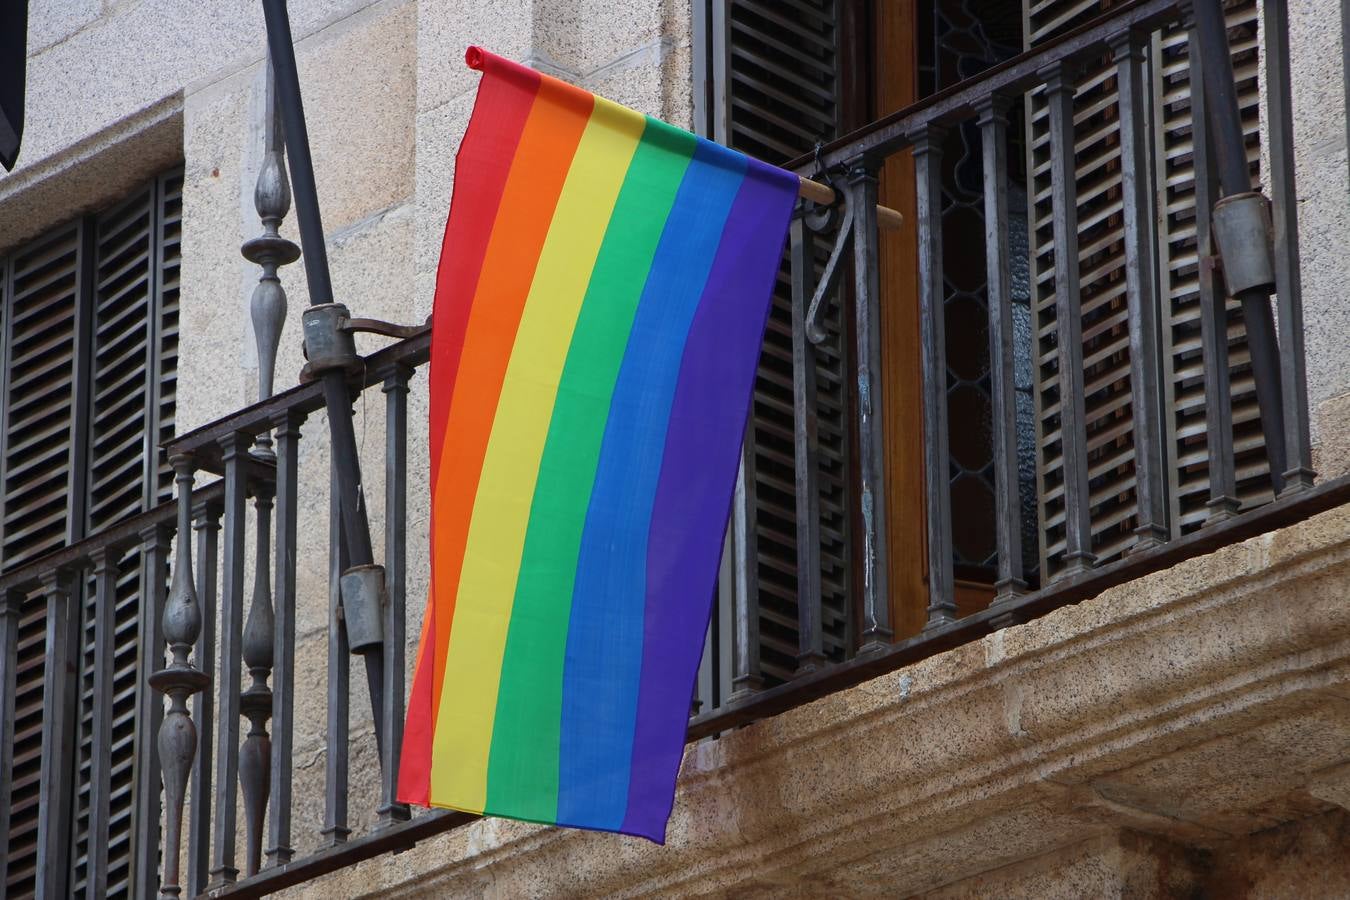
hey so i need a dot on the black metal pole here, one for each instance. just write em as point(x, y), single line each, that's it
point(337, 399)
point(1225, 121)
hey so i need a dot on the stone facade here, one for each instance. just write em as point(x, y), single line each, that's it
point(1185, 734)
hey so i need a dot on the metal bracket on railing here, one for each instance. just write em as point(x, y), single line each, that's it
point(815, 331)
point(329, 342)
point(379, 326)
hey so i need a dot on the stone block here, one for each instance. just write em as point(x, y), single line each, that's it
point(584, 35)
point(53, 21)
point(446, 29)
point(1331, 422)
point(359, 82)
point(215, 337)
point(439, 132)
point(1116, 865)
point(646, 80)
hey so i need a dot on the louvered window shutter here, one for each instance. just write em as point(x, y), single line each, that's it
point(102, 296)
point(43, 313)
point(1105, 323)
point(779, 94)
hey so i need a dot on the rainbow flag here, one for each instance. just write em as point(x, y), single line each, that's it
point(603, 290)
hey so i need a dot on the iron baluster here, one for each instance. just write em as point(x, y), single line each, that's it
point(746, 678)
point(287, 428)
point(153, 587)
point(1078, 556)
point(1152, 526)
point(234, 455)
point(876, 630)
point(395, 552)
point(339, 678)
point(105, 561)
point(270, 251)
point(993, 122)
point(206, 522)
point(255, 703)
point(810, 637)
point(181, 629)
point(933, 350)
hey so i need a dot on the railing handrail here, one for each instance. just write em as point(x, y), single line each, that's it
point(203, 443)
point(893, 131)
point(124, 535)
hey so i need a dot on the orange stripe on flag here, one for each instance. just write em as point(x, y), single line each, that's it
point(542, 161)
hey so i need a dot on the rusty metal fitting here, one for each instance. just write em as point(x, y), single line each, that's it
point(363, 600)
point(1245, 240)
point(328, 345)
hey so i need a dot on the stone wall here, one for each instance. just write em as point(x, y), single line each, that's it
point(1323, 174)
point(1182, 735)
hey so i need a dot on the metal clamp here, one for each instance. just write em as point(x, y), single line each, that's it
point(329, 341)
point(1245, 238)
point(379, 326)
point(327, 344)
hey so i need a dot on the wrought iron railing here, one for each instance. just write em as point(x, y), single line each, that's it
point(205, 752)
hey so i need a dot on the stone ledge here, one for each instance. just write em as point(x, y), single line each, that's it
point(1157, 707)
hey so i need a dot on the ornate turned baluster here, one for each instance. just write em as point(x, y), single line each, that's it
point(267, 307)
point(272, 199)
point(179, 680)
point(206, 521)
point(255, 704)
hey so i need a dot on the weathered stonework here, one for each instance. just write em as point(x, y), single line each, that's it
point(1163, 722)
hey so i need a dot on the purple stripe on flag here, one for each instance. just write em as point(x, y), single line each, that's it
point(698, 474)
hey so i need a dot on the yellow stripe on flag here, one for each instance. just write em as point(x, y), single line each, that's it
point(501, 509)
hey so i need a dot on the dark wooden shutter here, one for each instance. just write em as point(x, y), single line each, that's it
point(783, 89)
point(1106, 352)
point(91, 318)
point(43, 313)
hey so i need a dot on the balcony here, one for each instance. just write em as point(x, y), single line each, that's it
point(1117, 434)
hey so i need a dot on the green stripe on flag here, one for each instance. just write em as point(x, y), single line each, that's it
point(523, 763)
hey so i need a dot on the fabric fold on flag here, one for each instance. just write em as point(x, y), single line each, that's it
point(602, 294)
